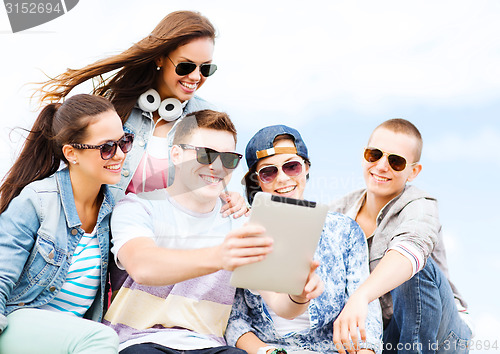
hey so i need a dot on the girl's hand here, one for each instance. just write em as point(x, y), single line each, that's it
point(314, 286)
point(235, 205)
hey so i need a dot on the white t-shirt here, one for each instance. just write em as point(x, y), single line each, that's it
point(158, 216)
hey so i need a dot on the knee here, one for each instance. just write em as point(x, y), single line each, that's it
point(109, 335)
point(102, 338)
point(429, 276)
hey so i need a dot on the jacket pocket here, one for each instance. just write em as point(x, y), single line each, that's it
point(39, 271)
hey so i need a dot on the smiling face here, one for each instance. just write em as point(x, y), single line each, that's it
point(171, 85)
point(284, 185)
point(104, 127)
point(197, 186)
point(382, 182)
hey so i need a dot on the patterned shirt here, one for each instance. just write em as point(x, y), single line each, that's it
point(343, 256)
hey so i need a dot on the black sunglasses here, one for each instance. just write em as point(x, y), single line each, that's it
point(109, 148)
point(207, 156)
point(397, 163)
point(185, 68)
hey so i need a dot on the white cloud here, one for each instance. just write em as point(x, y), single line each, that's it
point(452, 243)
point(358, 56)
point(282, 58)
point(487, 327)
point(479, 146)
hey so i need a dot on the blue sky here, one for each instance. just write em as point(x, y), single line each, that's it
point(334, 70)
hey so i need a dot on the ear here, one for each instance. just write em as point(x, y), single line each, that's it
point(159, 61)
point(414, 172)
point(176, 154)
point(70, 153)
point(307, 171)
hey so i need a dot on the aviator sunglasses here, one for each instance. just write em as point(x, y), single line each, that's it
point(185, 68)
point(293, 168)
point(397, 163)
point(207, 156)
point(109, 148)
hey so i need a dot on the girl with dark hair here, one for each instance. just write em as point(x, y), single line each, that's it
point(153, 86)
point(54, 230)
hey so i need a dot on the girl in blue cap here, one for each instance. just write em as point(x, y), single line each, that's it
point(279, 164)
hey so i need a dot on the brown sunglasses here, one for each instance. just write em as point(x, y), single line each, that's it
point(397, 163)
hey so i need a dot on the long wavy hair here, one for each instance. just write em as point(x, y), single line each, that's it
point(41, 155)
point(136, 66)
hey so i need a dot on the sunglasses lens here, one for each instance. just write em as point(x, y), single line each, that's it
point(208, 69)
point(203, 156)
point(230, 160)
point(268, 174)
point(292, 168)
point(108, 150)
point(207, 156)
point(372, 155)
point(126, 143)
point(397, 163)
point(185, 68)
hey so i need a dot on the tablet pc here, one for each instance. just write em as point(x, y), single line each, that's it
point(296, 226)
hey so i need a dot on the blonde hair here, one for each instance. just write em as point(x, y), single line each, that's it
point(402, 126)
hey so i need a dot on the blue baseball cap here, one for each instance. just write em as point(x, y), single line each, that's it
point(261, 144)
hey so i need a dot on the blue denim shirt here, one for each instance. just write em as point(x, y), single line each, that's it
point(39, 232)
point(140, 123)
point(343, 256)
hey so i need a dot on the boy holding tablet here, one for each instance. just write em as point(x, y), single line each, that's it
point(178, 249)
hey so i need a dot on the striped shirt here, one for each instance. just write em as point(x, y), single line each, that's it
point(82, 282)
point(189, 315)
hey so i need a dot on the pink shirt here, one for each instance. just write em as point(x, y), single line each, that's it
point(152, 172)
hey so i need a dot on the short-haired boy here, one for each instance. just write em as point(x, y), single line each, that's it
point(403, 231)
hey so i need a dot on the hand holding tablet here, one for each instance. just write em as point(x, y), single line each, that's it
point(296, 226)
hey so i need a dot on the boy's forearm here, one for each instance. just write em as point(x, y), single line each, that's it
point(393, 270)
point(150, 265)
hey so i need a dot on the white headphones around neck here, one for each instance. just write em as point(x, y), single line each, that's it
point(169, 109)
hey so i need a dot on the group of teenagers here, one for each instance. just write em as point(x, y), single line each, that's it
point(118, 233)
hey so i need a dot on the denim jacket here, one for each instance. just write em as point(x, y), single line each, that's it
point(39, 232)
point(140, 123)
